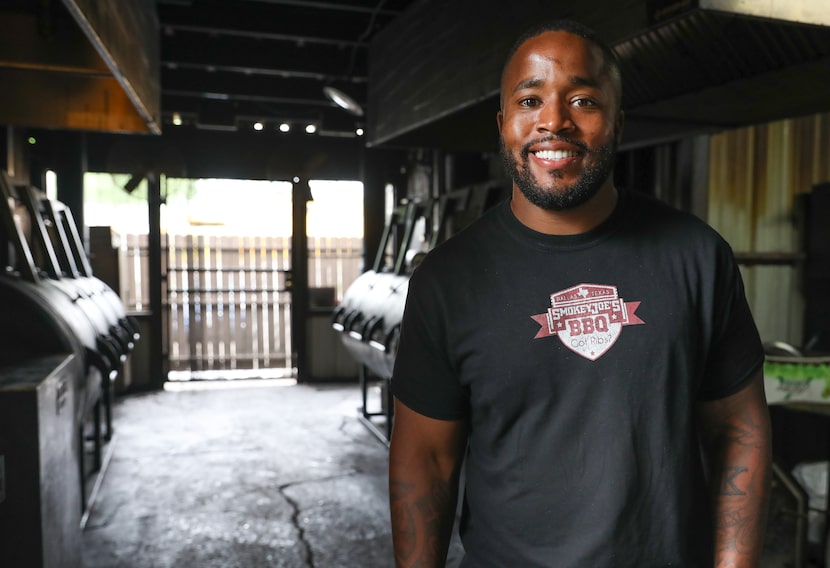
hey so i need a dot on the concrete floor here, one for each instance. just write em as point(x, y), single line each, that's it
point(250, 474)
point(246, 476)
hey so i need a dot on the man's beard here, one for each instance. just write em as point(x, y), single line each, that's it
point(559, 199)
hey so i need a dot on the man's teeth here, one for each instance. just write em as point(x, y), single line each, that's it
point(555, 154)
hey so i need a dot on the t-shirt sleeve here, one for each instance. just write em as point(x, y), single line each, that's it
point(735, 350)
point(424, 378)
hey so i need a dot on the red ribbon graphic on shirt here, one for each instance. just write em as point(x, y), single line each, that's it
point(542, 319)
point(587, 318)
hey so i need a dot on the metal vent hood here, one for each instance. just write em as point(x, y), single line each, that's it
point(689, 66)
point(81, 65)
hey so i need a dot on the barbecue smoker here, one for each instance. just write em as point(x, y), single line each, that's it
point(64, 337)
point(369, 317)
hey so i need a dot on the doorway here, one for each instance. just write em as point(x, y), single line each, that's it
point(227, 269)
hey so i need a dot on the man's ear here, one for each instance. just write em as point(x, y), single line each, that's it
point(618, 126)
point(500, 119)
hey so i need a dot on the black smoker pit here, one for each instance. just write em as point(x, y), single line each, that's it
point(64, 337)
point(369, 317)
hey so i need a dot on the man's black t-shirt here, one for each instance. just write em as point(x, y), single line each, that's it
point(578, 361)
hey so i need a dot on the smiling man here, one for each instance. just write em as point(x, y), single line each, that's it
point(586, 352)
point(559, 131)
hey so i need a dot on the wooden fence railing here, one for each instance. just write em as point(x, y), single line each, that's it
point(228, 302)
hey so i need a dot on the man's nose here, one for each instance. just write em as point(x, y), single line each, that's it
point(554, 116)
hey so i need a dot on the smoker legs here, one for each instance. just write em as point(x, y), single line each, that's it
point(377, 421)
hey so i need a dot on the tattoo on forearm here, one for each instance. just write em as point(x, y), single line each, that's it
point(403, 521)
point(419, 523)
point(729, 487)
point(738, 441)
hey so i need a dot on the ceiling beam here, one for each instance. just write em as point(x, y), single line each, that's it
point(247, 97)
point(292, 38)
point(282, 73)
point(340, 6)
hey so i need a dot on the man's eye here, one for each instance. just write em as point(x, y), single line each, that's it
point(584, 103)
point(528, 102)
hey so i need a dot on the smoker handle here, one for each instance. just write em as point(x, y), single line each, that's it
point(111, 351)
point(121, 337)
point(131, 325)
point(354, 318)
point(369, 334)
point(98, 361)
point(337, 321)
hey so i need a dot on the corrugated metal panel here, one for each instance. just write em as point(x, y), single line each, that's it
point(755, 175)
point(703, 49)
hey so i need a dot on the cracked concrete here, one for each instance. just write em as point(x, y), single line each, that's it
point(265, 476)
point(295, 516)
point(262, 476)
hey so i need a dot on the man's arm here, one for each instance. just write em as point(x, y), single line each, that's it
point(736, 439)
point(425, 457)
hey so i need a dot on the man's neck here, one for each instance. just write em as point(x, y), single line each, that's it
point(567, 222)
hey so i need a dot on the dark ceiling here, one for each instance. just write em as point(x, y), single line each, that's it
point(690, 67)
point(226, 65)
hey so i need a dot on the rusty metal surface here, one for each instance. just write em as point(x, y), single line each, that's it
point(99, 73)
point(815, 12)
point(125, 35)
point(757, 178)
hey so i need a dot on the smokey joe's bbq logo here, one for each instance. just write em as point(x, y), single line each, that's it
point(587, 318)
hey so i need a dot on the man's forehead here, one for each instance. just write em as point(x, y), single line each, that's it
point(579, 57)
point(539, 62)
point(554, 47)
point(544, 57)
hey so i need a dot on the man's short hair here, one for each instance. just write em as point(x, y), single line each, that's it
point(610, 59)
